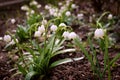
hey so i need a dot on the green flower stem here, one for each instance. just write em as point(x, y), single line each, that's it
point(106, 58)
point(46, 30)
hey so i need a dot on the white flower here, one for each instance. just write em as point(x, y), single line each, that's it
point(13, 42)
point(51, 11)
point(47, 7)
point(62, 8)
point(33, 3)
point(59, 14)
point(53, 28)
point(13, 21)
point(37, 34)
point(60, 3)
point(27, 13)
point(32, 12)
point(99, 33)
point(68, 13)
point(38, 6)
point(25, 8)
point(110, 16)
point(72, 35)
point(55, 14)
point(66, 34)
point(1, 38)
point(41, 28)
point(80, 16)
point(73, 6)
point(62, 24)
point(44, 22)
point(7, 38)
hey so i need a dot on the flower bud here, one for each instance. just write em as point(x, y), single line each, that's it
point(66, 34)
point(38, 6)
point(60, 3)
point(47, 7)
point(68, 13)
point(44, 22)
point(73, 6)
point(32, 12)
point(33, 3)
point(53, 28)
point(72, 35)
point(99, 33)
point(13, 21)
point(13, 42)
point(37, 34)
point(7, 38)
point(80, 16)
point(110, 16)
point(62, 24)
point(25, 8)
point(41, 28)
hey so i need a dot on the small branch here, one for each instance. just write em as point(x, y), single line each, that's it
point(7, 3)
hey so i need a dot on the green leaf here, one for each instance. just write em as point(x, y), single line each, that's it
point(78, 43)
point(115, 59)
point(22, 69)
point(63, 61)
point(30, 75)
point(64, 51)
point(112, 62)
point(31, 52)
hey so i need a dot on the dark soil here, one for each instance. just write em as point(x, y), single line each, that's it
point(76, 70)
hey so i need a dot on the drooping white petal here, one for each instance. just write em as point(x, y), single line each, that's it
point(7, 38)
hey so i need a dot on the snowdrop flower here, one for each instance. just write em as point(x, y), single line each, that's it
point(110, 16)
point(62, 24)
point(32, 12)
point(59, 14)
point(99, 33)
point(44, 22)
point(38, 6)
point(80, 16)
point(60, 3)
point(73, 6)
point(25, 8)
point(41, 28)
point(33, 3)
point(13, 42)
point(72, 35)
point(68, 13)
point(62, 8)
point(51, 11)
point(27, 13)
point(53, 28)
point(37, 34)
point(66, 34)
point(55, 14)
point(13, 21)
point(47, 7)
point(7, 38)
point(1, 38)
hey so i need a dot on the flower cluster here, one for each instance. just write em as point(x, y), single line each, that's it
point(28, 9)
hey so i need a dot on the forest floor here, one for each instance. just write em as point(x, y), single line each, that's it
point(76, 70)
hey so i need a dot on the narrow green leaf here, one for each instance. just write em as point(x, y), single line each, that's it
point(30, 75)
point(64, 51)
point(63, 61)
point(22, 69)
point(112, 62)
point(78, 43)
